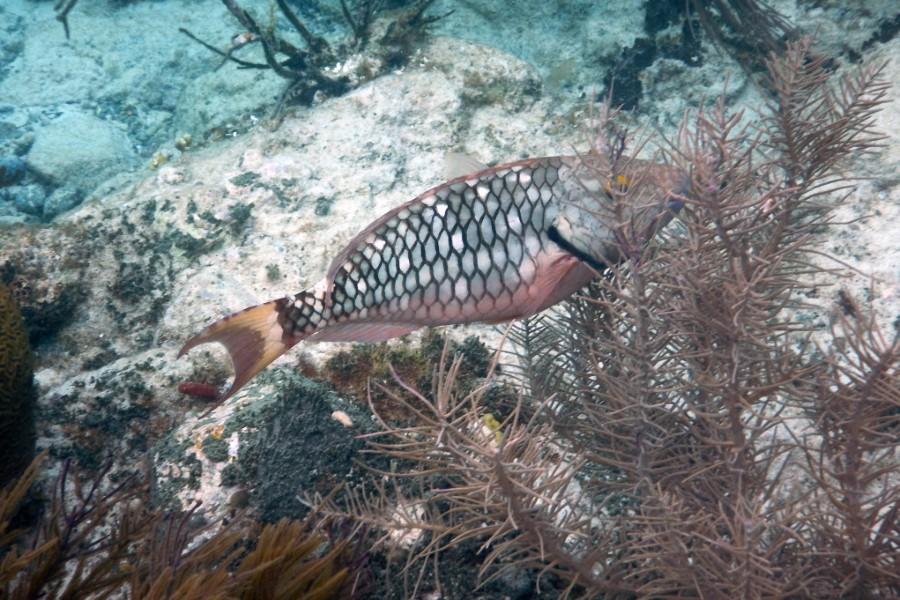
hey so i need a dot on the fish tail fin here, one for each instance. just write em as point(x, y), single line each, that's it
point(253, 337)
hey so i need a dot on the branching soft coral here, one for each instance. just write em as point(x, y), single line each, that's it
point(312, 70)
point(99, 539)
point(682, 439)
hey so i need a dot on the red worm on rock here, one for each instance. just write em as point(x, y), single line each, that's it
point(204, 391)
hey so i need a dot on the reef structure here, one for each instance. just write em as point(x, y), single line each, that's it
point(17, 399)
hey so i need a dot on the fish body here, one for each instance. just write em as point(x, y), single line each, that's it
point(494, 245)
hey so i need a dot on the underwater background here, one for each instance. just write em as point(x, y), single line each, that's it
point(157, 173)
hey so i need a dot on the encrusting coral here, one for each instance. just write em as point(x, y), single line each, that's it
point(16, 391)
point(353, 372)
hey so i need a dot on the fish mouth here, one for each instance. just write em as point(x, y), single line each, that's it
point(557, 238)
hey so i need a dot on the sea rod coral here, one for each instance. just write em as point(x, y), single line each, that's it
point(678, 434)
point(317, 69)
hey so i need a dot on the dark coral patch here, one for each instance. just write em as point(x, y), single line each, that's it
point(16, 391)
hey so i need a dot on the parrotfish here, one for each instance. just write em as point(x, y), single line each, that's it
point(491, 245)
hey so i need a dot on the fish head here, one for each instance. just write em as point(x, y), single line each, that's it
point(606, 216)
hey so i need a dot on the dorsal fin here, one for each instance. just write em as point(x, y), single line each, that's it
point(457, 164)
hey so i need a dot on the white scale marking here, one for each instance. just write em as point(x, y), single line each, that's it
point(450, 221)
point(515, 224)
point(484, 260)
point(518, 195)
point(430, 294)
point(498, 253)
point(532, 245)
point(461, 290)
point(457, 241)
point(439, 270)
point(453, 268)
point(468, 262)
point(477, 285)
point(494, 283)
point(443, 243)
point(446, 291)
point(472, 237)
point(511, 276)
point(546, 194)
point(424, 275)
point(487, 232)
point(501, 228)
point(527, 270)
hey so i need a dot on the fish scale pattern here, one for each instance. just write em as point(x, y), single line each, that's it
point(469, 245)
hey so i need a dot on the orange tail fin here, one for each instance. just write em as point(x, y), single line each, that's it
point(252, 337)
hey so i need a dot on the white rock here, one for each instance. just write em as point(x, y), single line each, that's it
point(80, 150)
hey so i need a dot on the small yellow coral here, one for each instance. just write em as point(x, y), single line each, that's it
point(621, 184)
point(183, 142)
point(158, 160)
point(491, 422)
point(217, 431)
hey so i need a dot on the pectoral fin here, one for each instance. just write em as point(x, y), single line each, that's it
point(559, 275)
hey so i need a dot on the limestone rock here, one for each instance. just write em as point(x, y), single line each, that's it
point(80, 150)
point(143, 267)
point(61, 200)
